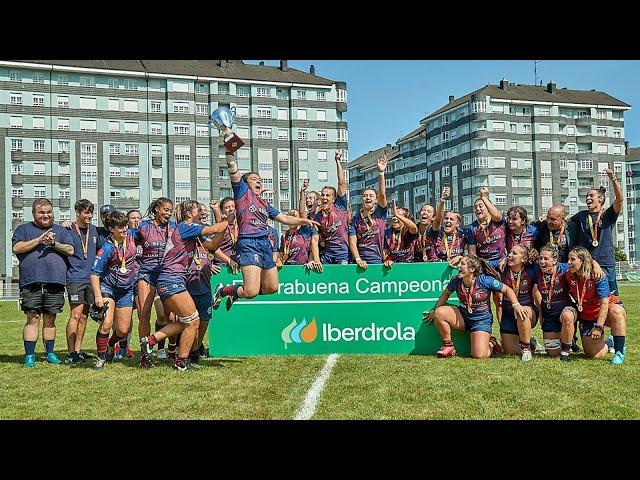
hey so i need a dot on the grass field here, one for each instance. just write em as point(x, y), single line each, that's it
point(359, 387)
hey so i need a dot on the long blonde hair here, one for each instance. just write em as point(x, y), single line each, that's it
point(587, 261)
point(183, 208)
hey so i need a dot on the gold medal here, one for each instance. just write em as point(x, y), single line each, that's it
point(123, 270)
point(579, 308)
point(595, 243)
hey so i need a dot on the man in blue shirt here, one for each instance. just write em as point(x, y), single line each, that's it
point(84, 236)
point(42, 249)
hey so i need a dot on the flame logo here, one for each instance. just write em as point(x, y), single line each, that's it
point(299, 332)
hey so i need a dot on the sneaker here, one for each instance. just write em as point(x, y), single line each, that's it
point(162, 354)
point(52, 358)
point(526, 356)
point(129, 353)
point(194, 357)
point(184, 367)
point(618, 358)
point(609, 343)
point(564, 357)
point(120, 355)
point(99, 364)
point(146, 363)
point(230, 300)
point(204, 352)
point(84, 355)
point(536, 346)
point(496, 348)
point(111, 353)
point(146, 349)
point(446, 351)
point(217, 297)
point(73, 358)
point(30, 360)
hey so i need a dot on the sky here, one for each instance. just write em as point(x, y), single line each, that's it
point(388, 98)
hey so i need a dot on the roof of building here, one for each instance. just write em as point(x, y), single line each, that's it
point(413, 133)
point(538, 93)
point(370, 159)
point(633, 155)
point(234, 69)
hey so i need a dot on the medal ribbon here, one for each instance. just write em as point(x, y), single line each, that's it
point(469, 294)
point(594, 228)
point(550, 291)
point(584, 291)
point(513, 281)
point(559, 236)
point(446, 243)
point(85, 245)
point(122, 258)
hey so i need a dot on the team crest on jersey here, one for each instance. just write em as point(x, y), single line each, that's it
point(496, 283)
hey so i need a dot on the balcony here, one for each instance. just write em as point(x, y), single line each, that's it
point(64, 180)
point(124, 159)
point(64, 157)
point(284, 184)
point(28, 202)
point(284, 164)
point(126, 203)
point(156, 182)
point(17, 155)
point(585, 121)
point(124, 182)
point(156, 160)
point(285, 206)
point(17, 202)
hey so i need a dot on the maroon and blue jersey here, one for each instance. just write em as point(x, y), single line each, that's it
point(482, 288)
point(296, 247)
point(559, 299)
point(525, 290)
point(199, 274)
point(456, 242)
point(179, 252)
point(490, 242)
point(593, 291)
point(108, 263)
point(335, 228)
point(527, 237)
point(274, 239)
point(252, 211)
point(228, 245)
point(423, 245)
point(370, 231)
point(401, 245)
point(153, 240)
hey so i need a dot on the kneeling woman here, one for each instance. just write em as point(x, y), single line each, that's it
point(473, 287)
point(113, 276)
point(597, 308)
point(516, 333)
point(180, 258)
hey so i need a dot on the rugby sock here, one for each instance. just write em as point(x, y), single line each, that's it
point(29, 347)
point(229, 290)
point(102, 340)
point(525, 345)
point(618, 343)
point(48, 345)
point(114, 339)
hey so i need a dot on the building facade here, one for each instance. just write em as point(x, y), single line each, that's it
point(127, 132)
point(633, 201)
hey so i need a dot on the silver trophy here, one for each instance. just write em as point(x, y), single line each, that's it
point(223, 119)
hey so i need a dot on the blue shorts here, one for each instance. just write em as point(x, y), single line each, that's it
point(167, 289)
point(509, 323)
point(203, 304)
point(610, 272)
point(150, 277)
point(479, 325)
point(329, 258)
point(255, 251)
point(552, 323)
point(122, 296)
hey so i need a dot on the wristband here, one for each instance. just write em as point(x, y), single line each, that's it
point(516, 305)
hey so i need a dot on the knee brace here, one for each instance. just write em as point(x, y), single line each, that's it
point(551, 344)
point(189, 318)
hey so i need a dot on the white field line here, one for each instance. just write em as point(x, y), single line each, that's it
point(313, 395)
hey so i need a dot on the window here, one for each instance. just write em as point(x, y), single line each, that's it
point(513, 127)
point(17, 192)
point(571, 147)
point(264, 133)
point(498, 126)
point(39, 191)
point(114, 194)
point(16, 122)
point(301, 95)
point(499, 180)
point(87, 125)
point(302, 134)
point(498, 144)
point(602, 113)
point(282, 94)
point(130, 105)
point(301, 114)
point(601, 131)
point(38, 145)
point(342, 136)
point(545, 146)
point(303, 174)
point(180, 107)
point(262, 92)
point(242, 112)
point(38, 78)
point(466, 165)
point(616, 133)
point(38, 100)
point(16, 169)
point(341, 95)
point(526, 128)
point(39, 169)
point(513, 146)
point(322, 96)
point(155, 107)
point(114, 149)
point(16, 144)
point(322, 155)
point(88, 103)
point(445, 137)
point(181, 129)
point(89, 155)
point(497, 108)
point(63, 80)
point(481, 162)
point(585, 165)
point(571, 130)
point(322, 135)
point(180, 87)
point(182, 160)
point(543, 111)
point(131, 150)
point(243, 132)
point(479, 107)
point(114, 127)
point(15, 76)
point(321, 115)
point(64, 146)
point(202, 109)
point(242, 91)
point(563, 164)
point(501, 200)
point(156, 129)
point(131, 127)
point(202, 131)
point(545, 128)
point(63, 101)
point(87, 81)
point(114, 172)
point(573, 184)
point(223, 88)
point(15, 99)
point(264, 112)
point(283, 134)
point(112, 83)
point(303, 155)
point(130, 84)
point(38, 123)
point(617, 150)
point(283, 155)
point(499, 162)
point(602, 148)
point(323, 176)
point(203, 174)
point(156, 151)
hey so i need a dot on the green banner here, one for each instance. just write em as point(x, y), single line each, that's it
point(344, 309)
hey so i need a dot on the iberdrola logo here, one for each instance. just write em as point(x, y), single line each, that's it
point(300, 332)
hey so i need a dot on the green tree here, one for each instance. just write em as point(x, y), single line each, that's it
point(620, 255)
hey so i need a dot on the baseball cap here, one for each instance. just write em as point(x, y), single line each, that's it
point(105, 209)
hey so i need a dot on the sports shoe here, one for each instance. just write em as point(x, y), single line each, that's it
point(111, 353)
point(73, 358)
point(536, 346)
point(129, 353)
point(194, 357)
point(120, 355)
point(609, 343)
point(30, 360)
point(204, 352)
point(146, 349)
point(99, 364)
point(52, 358)
point(446, 351)
point(162, 354)
point(84, 355)
point(618, 358)
point(146, 363)
point(217, 297)
point(230, 300)
point(575, 348)
point(526, 356)
point(184, 366)
point(496, 348)
point(564, 357)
